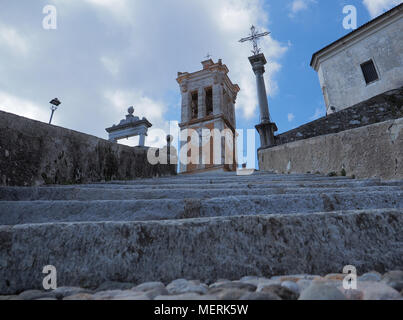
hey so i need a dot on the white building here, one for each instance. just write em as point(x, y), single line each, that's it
point(362, 64)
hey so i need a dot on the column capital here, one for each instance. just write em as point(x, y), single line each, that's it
point(258, 62)
point(266, 132)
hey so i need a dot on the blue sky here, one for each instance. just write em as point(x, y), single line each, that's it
point(308, 30)
point(106, 55)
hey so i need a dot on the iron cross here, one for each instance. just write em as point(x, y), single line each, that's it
point(254, 37)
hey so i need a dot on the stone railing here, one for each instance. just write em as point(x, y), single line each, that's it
point(387, 106)
point(373, 151)
point(35, 153)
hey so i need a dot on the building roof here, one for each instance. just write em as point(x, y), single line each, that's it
point(356, 33)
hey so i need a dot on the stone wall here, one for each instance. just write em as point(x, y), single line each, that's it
point(371, 151)
point(35, 153)
point(386, 106)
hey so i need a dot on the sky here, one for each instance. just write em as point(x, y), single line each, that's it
point(107, 55)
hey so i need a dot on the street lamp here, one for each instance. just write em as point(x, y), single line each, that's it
point(54, 104)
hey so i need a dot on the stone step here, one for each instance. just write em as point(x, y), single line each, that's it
point(244, 179)
point(237, 185)
point(232, 175)
point(24, 212)
point(87, 193)
point(90, 253)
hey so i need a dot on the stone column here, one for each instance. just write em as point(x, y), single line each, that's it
point(185, 106)
point(266, 128)
point(258, 62)
point(142, 139)
point(231, 113)
point(201, 103)
point(217, 99)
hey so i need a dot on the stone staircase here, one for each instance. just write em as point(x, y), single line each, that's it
point(206, 226)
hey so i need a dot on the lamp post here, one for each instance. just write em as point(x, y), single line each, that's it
point(54, 105)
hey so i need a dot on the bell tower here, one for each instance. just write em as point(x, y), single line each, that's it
point(208, 118)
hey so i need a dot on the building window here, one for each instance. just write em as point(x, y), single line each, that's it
point(209, 101)
point(369, 71)
point(195, 105)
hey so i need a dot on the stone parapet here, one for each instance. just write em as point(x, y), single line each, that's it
point(371, 151)
point(35, 153)
point(387, 106)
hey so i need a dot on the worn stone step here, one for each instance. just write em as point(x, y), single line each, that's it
point(90, 253)
point(237, 185)
point(23, 212)
point(86, 193)
point(230, 177)
point(248, 179)
point(233, 175)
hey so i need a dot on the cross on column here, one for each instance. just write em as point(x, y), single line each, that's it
point(266, 128)
point(254, 37)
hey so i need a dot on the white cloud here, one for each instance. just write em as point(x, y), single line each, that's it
point(290, 117)
point(111, 65)
point(218, 31)
point(22, 107)
point(377, 7)
point(143, 107)
point(232, 20)
point(108, 3)
point(143, 49)
point(299, 5)
point(9, 37)
point(319, 112)
point(114, 5)
point(120, 9)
